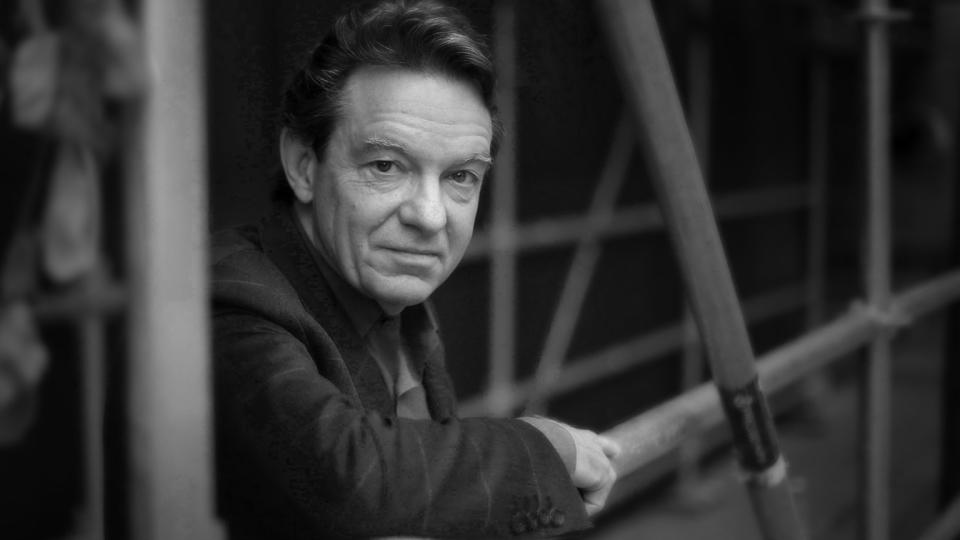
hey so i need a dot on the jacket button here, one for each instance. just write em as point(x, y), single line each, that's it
point(557, 518)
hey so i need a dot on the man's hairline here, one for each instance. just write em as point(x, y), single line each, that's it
point(339, 100)
point(339, 104)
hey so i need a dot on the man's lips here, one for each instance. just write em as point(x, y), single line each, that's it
point(413, 251)
point(413, 257)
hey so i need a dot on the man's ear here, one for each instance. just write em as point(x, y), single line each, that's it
point(299, 164)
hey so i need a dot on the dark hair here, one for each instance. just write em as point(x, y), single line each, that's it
point(422, 35)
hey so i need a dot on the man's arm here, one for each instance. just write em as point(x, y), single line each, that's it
point(358, 473)
point(587, 458)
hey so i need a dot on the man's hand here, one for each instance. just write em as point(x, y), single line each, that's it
point(594, 474)
point(589, 461)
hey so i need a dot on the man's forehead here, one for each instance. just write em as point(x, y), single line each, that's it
point(378, 93)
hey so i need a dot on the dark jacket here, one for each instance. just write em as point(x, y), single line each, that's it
point(308, 443)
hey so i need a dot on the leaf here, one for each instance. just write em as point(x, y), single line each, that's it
point(71, 225)
point(34, 74)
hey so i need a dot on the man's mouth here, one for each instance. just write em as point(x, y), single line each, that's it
point(413, 256)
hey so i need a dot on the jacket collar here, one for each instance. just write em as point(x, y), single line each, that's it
point(362, 311)
point(284, 241)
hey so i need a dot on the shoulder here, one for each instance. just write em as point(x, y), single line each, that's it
point(227, 242)
point(243, 275)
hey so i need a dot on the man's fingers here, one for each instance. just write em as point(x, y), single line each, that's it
point(593, 474)
point(610, 447)
point(595, 499)
point(597, 470)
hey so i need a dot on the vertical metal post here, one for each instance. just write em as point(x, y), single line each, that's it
point(93, 352)
point(877, 277)
point(950, 379)
point(503, 272)
point(817, 384)
point(678, 182)
point(817, 218)
point(581, 270)
point(170, 428)
point(699, 89)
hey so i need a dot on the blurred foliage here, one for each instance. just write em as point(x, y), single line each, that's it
point(67, 81)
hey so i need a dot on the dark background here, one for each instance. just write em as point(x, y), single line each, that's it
point(568, 103)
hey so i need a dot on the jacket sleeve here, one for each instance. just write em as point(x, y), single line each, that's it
point(356, 473)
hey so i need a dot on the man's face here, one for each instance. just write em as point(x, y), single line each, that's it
point(395, 195)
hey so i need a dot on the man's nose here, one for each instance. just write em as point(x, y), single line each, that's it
point(424, 209)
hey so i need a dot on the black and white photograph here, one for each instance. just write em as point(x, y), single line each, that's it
point(437, 269)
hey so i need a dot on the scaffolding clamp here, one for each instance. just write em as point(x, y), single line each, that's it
point(891, 319)
point(881, 15)
point(767, 478)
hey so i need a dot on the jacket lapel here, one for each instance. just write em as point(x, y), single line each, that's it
point(426, 345)
point(285, 244)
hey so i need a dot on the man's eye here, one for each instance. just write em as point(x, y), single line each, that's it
point(464, 177)
point(384, 166)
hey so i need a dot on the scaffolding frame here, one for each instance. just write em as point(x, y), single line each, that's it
point(171, 484)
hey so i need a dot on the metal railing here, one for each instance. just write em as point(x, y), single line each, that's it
point(171, 495)
point(873, 323)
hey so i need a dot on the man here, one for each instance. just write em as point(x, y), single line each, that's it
point(336, 417)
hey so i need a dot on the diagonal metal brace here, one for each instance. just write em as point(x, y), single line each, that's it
point(675, 173)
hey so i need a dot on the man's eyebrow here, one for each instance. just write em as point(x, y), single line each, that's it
point(381, 143)
point(482, 157)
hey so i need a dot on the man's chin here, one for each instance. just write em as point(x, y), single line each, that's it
point(397, 292)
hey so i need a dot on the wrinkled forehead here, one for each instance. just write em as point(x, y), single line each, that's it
point(430, 100)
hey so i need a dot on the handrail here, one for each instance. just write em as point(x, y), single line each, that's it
point(657, 431)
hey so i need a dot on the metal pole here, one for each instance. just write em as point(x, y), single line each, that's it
point(698, 77)
point(878, 394)
point(636, 219)
point(686, 208)
point(91, 327)
point(816, 224)
point(170, 415)
point(661, 429)
point(652, 345)
point(947, 525)
point(503, 272)
point(817, 386)
point(581, 270)
point(950, 382)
